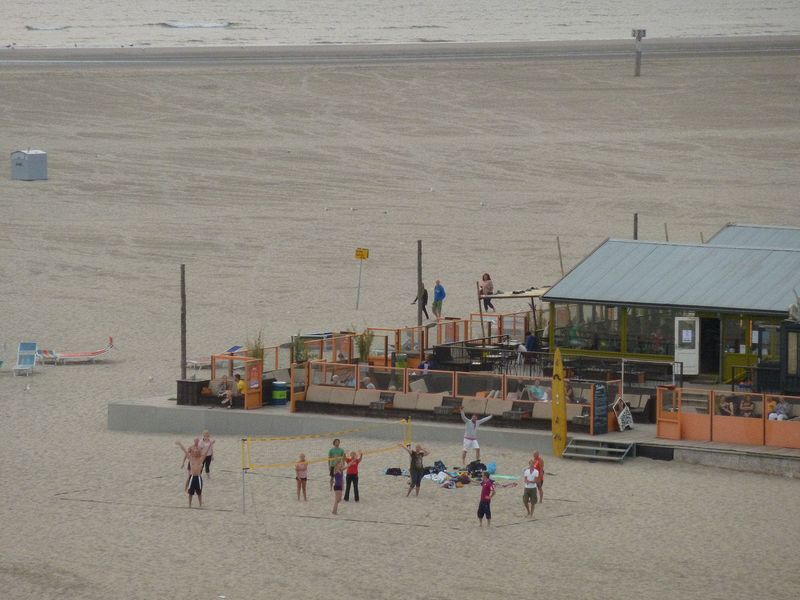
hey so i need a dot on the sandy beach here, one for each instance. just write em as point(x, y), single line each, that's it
point(263, 178)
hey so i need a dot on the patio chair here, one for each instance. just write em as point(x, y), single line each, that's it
point(26, 358)
point(205, 361)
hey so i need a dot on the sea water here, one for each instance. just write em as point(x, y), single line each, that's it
point(115, 23)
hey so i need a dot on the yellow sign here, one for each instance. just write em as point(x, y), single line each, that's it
point(559, 406)
point(362, 253)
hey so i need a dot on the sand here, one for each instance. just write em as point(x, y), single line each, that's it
point(248, 173)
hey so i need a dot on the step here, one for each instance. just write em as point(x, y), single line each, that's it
point(592, 447)
point(590, 456)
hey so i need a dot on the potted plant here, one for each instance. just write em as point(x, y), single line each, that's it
point(255, 348)
point(299, 354)
point(364, 344)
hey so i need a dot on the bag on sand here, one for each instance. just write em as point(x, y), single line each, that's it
point(476, 468)
point(438, 467)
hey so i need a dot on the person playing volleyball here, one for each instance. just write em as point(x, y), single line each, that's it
point(301, 475)
point(335, 455)
point(338, 479)
point(416, 469)
point(471, 435)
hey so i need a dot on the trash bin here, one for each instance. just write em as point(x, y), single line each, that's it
point(280, 393)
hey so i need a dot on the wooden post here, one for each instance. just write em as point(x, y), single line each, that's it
point(183, 321)
point(702, 239)
point(636, 226)
point(480, 309)
point(560, 259)
point(420, 285)
point(666, 232)
point(638, 34)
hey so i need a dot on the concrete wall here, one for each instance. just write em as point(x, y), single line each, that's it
point(148, 418)
point(770, 464)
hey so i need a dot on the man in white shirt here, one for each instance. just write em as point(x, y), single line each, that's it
point(471, 435)
point(529, 493)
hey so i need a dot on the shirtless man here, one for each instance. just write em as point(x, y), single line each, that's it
point(195, 455)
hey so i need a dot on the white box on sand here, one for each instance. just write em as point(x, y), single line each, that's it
point(28, 165)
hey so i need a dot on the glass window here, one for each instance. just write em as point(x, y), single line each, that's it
point(735, 335)
point(792, 347)
point(588, 327)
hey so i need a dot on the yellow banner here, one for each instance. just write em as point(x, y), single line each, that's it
point(559, 406)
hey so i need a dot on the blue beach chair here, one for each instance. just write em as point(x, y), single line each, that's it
point(26, 358)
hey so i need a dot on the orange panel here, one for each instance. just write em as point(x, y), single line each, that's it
point(783, 434)
point(668, 429)
point(737, 430)
point(695, 427)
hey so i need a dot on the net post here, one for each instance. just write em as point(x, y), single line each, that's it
point(244, 471)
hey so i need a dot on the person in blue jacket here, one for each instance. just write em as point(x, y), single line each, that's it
point(438, 299)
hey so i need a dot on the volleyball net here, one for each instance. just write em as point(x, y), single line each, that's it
point(282, 452)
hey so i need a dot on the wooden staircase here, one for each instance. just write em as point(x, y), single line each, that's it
point(599, 450)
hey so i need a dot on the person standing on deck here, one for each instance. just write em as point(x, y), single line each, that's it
point(423, 302)
point(487, 289)
point(438, 298)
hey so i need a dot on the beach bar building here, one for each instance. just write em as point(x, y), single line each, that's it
point(713, 307)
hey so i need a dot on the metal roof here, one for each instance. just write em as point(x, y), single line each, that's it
point(757, 236)
point(694, 277)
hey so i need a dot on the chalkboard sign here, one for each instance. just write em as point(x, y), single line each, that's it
point(600, 424)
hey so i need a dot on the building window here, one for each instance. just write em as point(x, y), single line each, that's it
point(587, 327)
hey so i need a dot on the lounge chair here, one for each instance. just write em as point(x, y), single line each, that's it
point(205, 362)
point(64, 357)
point(46, 356)
point(26, 358)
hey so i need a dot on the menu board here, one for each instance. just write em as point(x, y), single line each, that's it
point(600, 423)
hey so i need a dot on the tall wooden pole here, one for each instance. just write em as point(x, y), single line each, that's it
point(636, 226)
point(183, 321)
point(480, 309)
point(666, 232)
point(420, 285)
point(560, 259)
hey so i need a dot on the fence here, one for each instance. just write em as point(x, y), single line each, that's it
point(734, 418)
point(504, 396)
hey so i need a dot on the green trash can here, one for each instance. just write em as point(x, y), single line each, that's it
point(280, 393)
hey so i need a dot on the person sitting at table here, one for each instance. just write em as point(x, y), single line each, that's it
point(535, 391)
point(531, 342)
point(746, 407)
point(726, 407)
point(781, 412)
point(569, 393)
